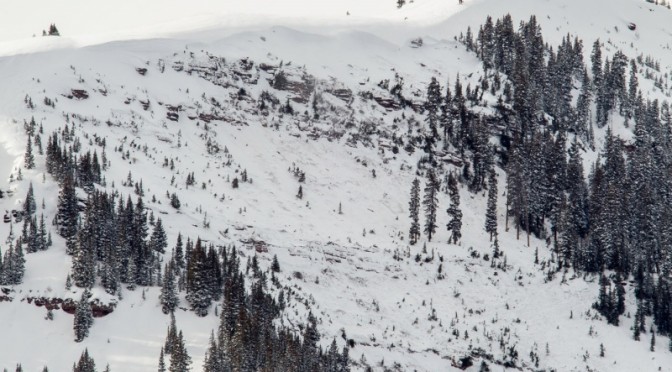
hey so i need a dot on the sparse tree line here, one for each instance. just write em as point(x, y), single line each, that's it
point(86, 363)
point(116, 242)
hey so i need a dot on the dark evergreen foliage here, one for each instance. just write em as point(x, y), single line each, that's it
point(169, 297)
point(414, 207)
point(430, 203)
point(199, 271)
point(454, 213)
point(491, 211)
point(85, 363)
point(83, 319)
point(617, 217)
point(248, 339)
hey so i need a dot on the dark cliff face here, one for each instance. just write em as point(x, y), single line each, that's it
point(68, 305)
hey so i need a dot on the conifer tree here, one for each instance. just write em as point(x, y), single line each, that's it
point(83, 260)
point(85, 363)
point(213, 362)
point(67, 212)
point(29, 158)
point(159, 240)
point(175, 201)
point(178, 254)
point(83, 317)
point(171, 335)
point(430, 203)
point(596, 59)
point(455, 223)
point(275, 265)
point(179, 358)
point(43, 236)
point(491, 211)
point(446, 118)
point(162, 363)
point(414, 207)
point(13, 265)
point(199, 294)
point(168, 297)
point(433, 105)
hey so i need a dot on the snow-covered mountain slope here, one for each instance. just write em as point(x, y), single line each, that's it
point(354, 269)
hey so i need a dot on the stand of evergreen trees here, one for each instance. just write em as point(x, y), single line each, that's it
point(248, 337)
point(614, 221)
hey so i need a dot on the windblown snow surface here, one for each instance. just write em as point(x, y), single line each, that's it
point(350, 278)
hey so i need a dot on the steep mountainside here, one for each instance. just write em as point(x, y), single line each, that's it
point(291, 130)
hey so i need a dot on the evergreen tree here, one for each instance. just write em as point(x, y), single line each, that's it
point(85, 363)
point(430, 203)
point(68, 212)
point(446, 119)
point(178, 255)
point(12, 265)
point(43, 236)
point(213, 362)
point(159, 240)
point(596, 59)
point(29, 158)
point(175, 201)
point(162, 363)
point(169, 298)
point(275, 265)
point(179, 358)
point(199, 294)
point(414, 207)
point(491, 211)
point(577, 220)
point(83, 260)
point(433, 105)
point(171, 336)
point(455, 223)
point(83, 317)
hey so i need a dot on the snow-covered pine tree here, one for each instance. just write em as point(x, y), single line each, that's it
point(168, 297)
point(491, 210)
point(198, 291)
point(29, 158)
point(175, 201)
point(446, 118)
point(179, 358)
point(159, 240)
point(275, 265)
point(171, 335)
point(213, 362)
point(430, 203)
point(433, 105)
point(83, 258)
point(85, 363)
point(414, 208)
point(83, 317)
point(162, 363)
point(455, 214)
point(67, 212)
point(178, 254)
point(43, 236)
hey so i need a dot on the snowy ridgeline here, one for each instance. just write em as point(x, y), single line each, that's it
point(428, 205)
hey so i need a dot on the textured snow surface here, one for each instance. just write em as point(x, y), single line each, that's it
point(349, 274)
